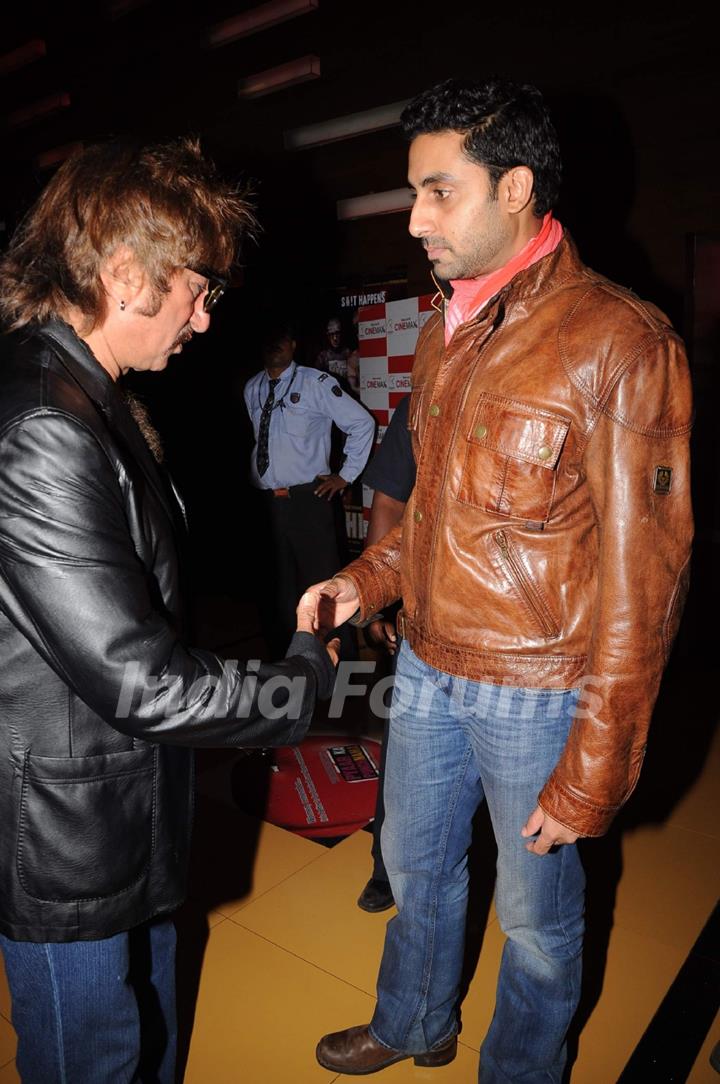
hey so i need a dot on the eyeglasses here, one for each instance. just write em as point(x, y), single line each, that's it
point(216, 286)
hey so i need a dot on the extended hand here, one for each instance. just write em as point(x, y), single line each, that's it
point(332, 601)
point(330, 485)
point(551, 833)
point(382, 633)
point(306, 623)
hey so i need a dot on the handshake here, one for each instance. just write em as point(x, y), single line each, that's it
point(324, 607)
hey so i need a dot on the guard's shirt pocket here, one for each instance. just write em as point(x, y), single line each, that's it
point(296, 419)
point(511, 457)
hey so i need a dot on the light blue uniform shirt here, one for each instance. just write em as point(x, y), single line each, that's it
point(307, 402)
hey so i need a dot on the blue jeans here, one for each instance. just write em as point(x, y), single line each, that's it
point(452, 743)
point(95, 1012)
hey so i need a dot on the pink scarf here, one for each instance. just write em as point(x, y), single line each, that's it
point(469, 295)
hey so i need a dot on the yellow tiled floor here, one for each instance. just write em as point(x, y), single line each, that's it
point(699, 808)
point(251, 1021)
point(314, 916)
point(670, 884)
point(284, 955)
point(638, 974)
point(7, 1041)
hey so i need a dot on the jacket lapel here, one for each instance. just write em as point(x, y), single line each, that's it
point(80, 364)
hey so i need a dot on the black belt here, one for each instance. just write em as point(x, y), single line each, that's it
point(287, 491)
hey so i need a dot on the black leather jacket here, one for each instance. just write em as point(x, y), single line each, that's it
point(99, 697)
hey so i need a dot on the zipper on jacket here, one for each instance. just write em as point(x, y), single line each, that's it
point(525, 585)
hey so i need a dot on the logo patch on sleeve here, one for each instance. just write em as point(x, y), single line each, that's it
point(662, 480)
point(336, 390)
point(323, 376)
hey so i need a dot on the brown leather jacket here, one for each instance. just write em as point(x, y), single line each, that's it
point(547, 541)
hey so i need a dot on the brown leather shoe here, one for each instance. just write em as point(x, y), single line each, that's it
point(356, 1053)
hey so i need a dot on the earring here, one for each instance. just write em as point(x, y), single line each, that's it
point(122, 306)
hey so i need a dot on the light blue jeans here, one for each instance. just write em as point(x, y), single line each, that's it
point(452, 743)
point(95, 1012)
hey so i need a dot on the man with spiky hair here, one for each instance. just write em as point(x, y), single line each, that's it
point(117, 266)
point(542, 562)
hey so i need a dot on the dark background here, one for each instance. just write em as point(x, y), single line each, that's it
point(634, 93)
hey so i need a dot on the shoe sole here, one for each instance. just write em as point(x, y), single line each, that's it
point(361, 1072)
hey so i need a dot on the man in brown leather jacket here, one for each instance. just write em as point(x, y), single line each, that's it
point(543, 562)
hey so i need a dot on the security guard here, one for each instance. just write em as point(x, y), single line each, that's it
point(292, 409)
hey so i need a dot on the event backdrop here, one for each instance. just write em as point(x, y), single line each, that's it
point(387, 334)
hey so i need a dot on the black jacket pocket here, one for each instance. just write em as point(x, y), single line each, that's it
point(87, 824)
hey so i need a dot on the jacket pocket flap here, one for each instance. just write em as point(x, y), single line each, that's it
point(519, 430)
point(82, 769)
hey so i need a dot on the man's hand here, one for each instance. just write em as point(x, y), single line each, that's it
point(330, 485)
point(306, 623)
point(551, 833)
point(383, 634)
point(332, 601)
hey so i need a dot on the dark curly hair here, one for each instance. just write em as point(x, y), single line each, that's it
point(505, 125)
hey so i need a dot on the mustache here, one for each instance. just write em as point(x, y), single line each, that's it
point(435, 242)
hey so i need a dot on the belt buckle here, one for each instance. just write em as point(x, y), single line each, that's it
point(282, 492)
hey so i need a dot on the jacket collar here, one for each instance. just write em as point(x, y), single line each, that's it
point(84, 368)
point(77, 357)
point(538, 279)
point(547, 274)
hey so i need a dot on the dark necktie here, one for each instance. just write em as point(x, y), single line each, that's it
point(263, 454)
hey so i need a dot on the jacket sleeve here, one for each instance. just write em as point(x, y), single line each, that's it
point(636, 466)
point(72, 582)
point(376, 574)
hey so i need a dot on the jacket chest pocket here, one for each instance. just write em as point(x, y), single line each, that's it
point(511, 456)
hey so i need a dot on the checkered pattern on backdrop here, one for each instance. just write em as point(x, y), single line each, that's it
point(387, 335)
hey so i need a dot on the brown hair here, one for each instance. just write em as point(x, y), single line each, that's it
point(166, 203)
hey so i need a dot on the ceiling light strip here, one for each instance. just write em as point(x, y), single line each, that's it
point(28, 113)
point(375, 203)
point(285, 75)
point(354, 124)
point(22, 56)
point(56, 155)
point(257, 19)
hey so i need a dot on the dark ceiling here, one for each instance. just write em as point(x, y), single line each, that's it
point(632, 86)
